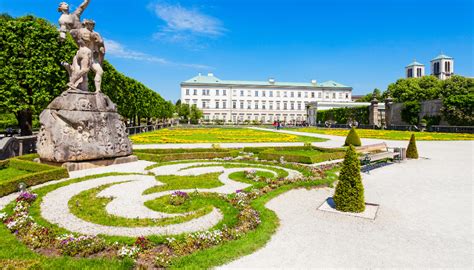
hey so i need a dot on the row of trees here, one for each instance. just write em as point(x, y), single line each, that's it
point(31, 75)
point(457, 94)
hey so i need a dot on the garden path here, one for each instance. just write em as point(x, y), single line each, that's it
point(425, 218)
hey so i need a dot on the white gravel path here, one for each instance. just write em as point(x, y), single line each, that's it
point(128, 200)
point(425, 219)
point(54, 208)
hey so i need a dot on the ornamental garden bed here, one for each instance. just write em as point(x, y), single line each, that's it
point(183, 188)
point(216, 135)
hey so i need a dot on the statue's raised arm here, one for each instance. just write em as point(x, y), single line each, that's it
point(69, 21)
point(81, 7)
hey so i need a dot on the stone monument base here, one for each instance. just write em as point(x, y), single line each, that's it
point(89, 164)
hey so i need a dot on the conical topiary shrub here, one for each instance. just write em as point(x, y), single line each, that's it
point(352, 138)
point(349, 195)
point(412, 152)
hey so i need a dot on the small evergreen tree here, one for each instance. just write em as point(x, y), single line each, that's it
point(349, 194)
point(412, 151)
point(353, 138)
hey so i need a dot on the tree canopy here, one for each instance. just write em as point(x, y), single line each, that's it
point(31, 74)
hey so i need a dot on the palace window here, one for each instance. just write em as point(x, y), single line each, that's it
point(271, 106)
point(256, 93)
point(271, 93)
point(299, 94)
point(312, 94)
point(320, 94)
point(217, 104)
point(263, 105)
point(285, 106)
point(418, 72)
point(278, 93)
point(224, 104)
point(292, 106)
point(292, 94)
point(234, 104)
point(263, 93)
point(217, 92)
point(241, 93)
point(195, 92)
point(249, 104)
point(410, 73)
point(187, 92)
point(224, 92)
point(241, 104)
point(299, 106)
point(305, 94)
point(285, 94)
point(256, 104)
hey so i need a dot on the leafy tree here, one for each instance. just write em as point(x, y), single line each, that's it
point(412, 151)
point(415, 89)
point(353, 138)
point(31, 74)
point(195, 114)
point(458, 110)
point(349, 194)
point(457, 85)
point(410, 112)
point(369, 97)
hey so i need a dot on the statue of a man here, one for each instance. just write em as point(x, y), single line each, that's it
point(69, 21)
point(89, 56)
point(98, 52)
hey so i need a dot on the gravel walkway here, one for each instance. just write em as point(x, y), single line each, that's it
point(425, 219)
point(128, 200)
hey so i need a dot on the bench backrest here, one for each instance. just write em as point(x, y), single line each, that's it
point(372, 148)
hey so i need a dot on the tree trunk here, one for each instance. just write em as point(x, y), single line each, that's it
point(25, 121)
point(134, 123)
point(138, 117)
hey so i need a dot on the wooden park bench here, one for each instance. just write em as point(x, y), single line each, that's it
point(379, 151)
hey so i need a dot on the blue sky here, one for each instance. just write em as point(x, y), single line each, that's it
point(364, 44)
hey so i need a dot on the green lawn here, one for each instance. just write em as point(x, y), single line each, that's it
point(216, 135)
point(10, 173)
point(391, 134)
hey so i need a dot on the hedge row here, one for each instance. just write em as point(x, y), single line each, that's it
point(179, 150)
point(344, 115)
point(270, 155)
point(182, 156)
point(257, 150)
point(40, 173)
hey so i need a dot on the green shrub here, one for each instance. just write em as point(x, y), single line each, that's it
point(40, 173)
point(4, 163)
point(349, 194)
point(182, 156)
point(412, 151)
point(344, 115)
point(352, 138)
point(288, 158)
point(411, 111)
point(459, 109)
point(179, 150)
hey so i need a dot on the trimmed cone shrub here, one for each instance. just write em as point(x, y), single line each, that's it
point(412, 152)
point(353, 138)
point(349, 195)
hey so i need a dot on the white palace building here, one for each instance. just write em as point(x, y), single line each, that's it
point(265, 101)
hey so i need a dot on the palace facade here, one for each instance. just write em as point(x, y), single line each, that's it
point(263, 101)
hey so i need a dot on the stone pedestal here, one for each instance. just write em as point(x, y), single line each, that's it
point(81, 126)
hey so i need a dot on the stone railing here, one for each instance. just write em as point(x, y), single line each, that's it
point(17, 146)
point(452, 129)
point(147, 128)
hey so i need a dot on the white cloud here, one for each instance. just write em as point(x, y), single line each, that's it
point(182, 24)
point(118, 50)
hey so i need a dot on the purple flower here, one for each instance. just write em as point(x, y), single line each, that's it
point(180, 194)
point(238, 191)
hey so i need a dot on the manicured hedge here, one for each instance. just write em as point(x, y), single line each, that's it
point(343, 115)
point(179, 150)
point(40, 173)
point(181, 156)
point(257, 150)
point(271, 155)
